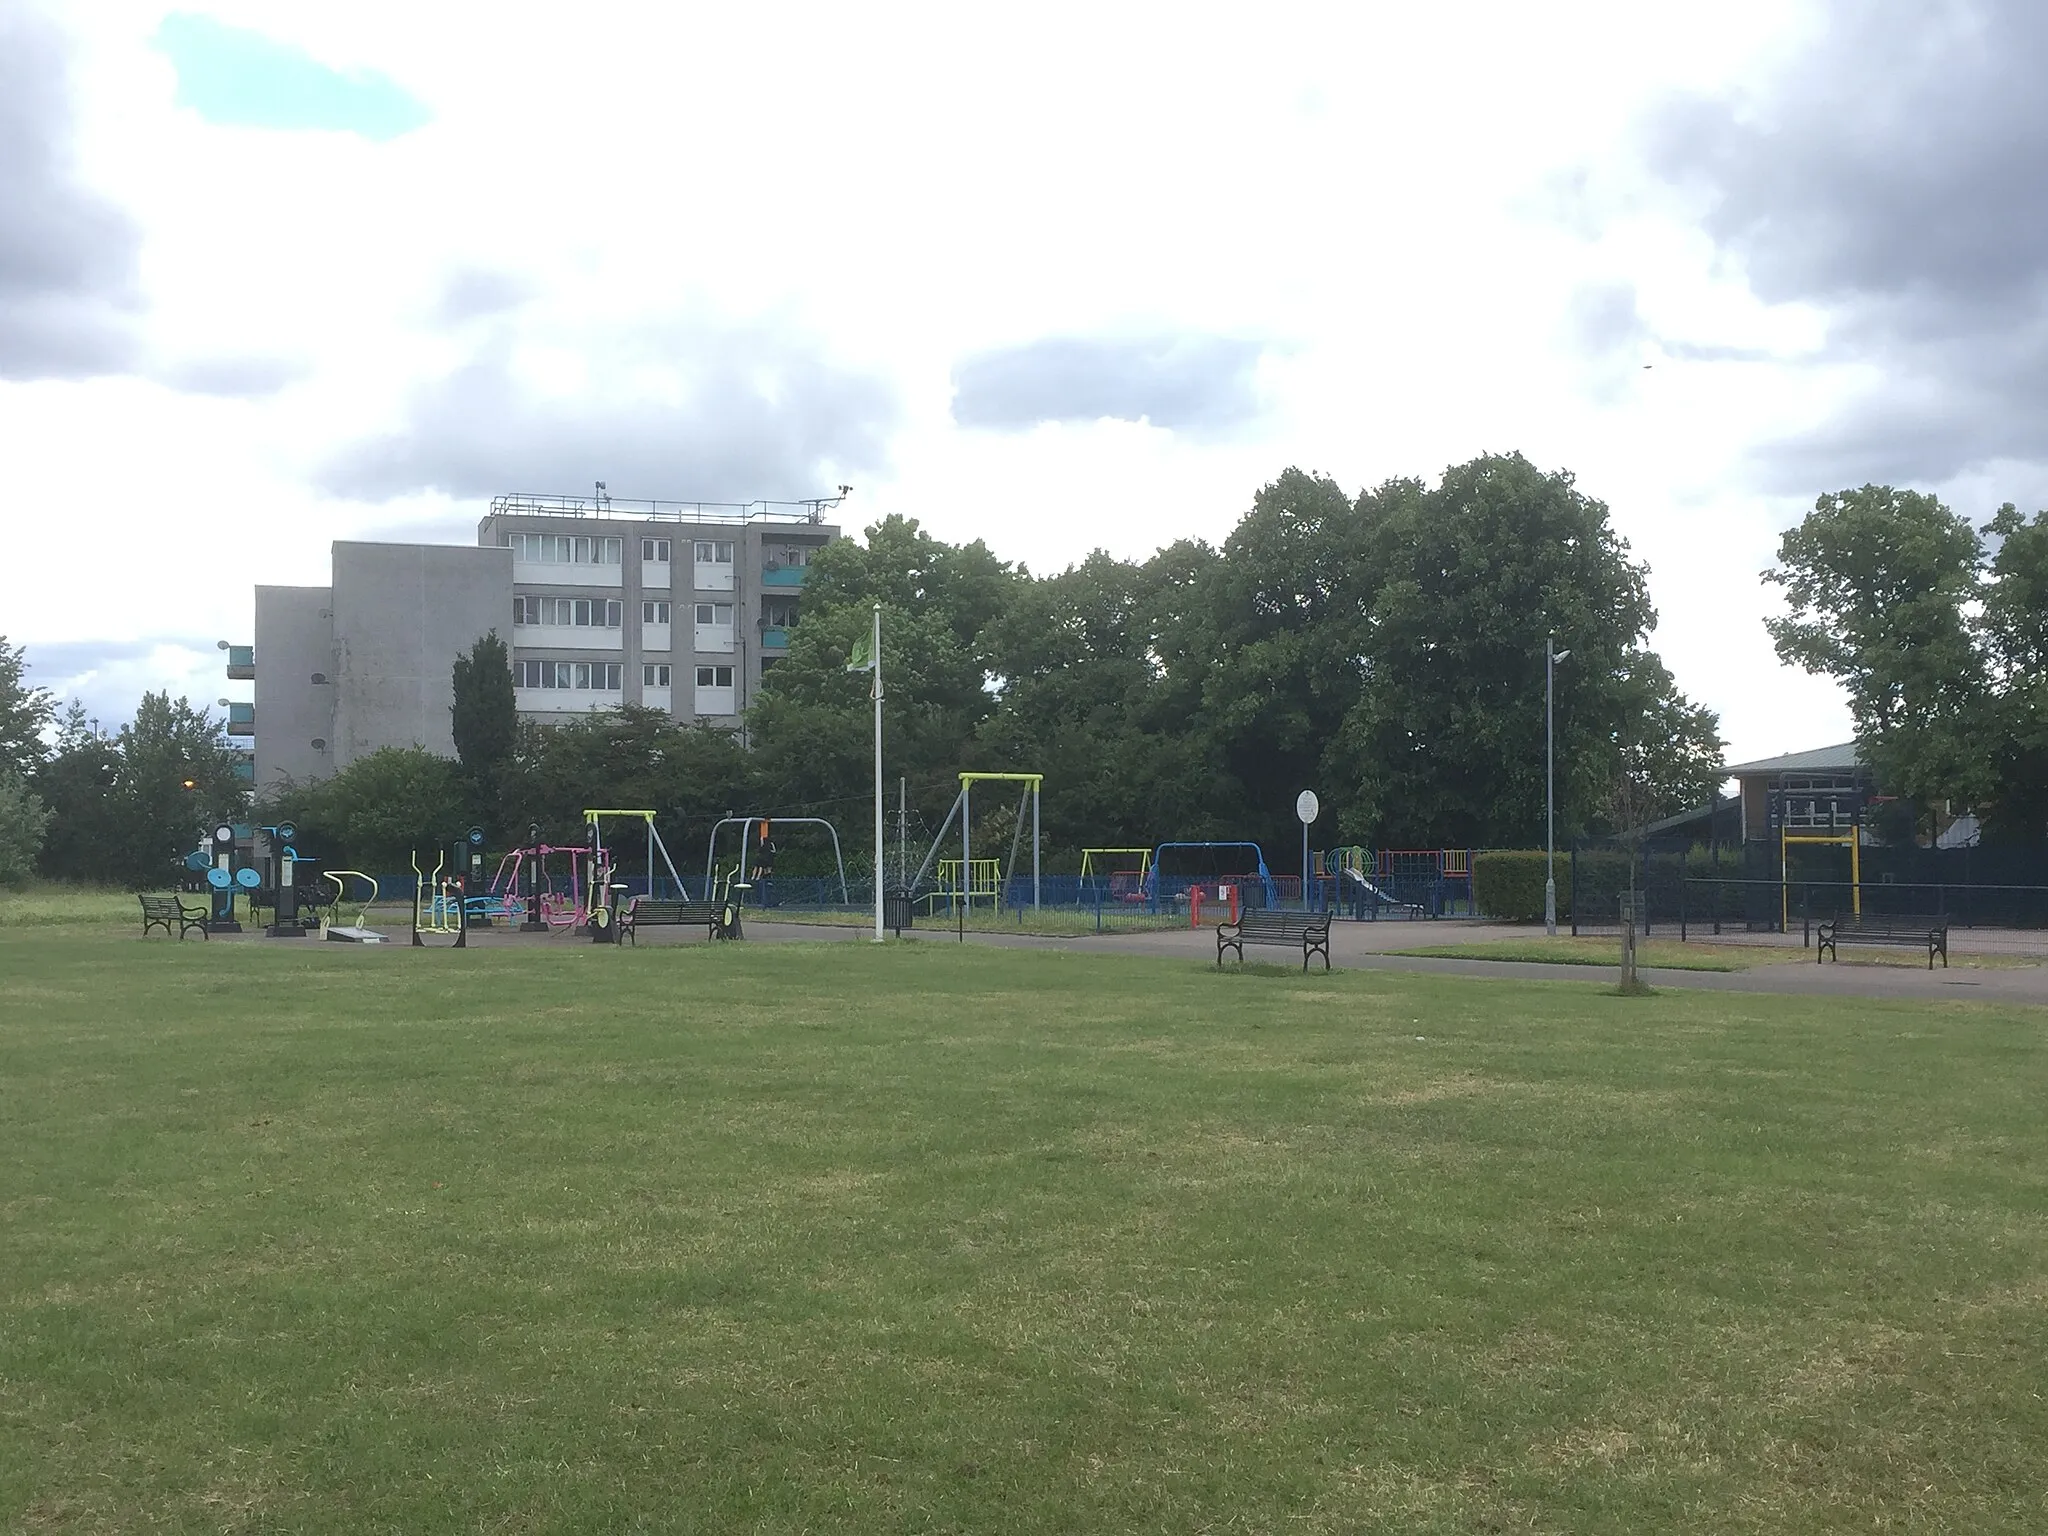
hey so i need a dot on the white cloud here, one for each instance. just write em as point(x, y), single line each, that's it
point(1370, 190)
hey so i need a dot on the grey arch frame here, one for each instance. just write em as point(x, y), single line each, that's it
point(711, 846)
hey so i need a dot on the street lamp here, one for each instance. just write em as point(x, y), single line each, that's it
point(1551, 657)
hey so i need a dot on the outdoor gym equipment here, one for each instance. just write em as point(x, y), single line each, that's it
point(281, 860)
point(1153, 891)
point(525, 891)
point(359, 931)
point(605, 897)
point(968, 879)
point(440, 912)
point(223, 880)
point(765, 823)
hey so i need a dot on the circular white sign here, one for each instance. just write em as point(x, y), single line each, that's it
point(1307, 807)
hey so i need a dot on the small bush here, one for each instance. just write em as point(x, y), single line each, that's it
point(1508, 884)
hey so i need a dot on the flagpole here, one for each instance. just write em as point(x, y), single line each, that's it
point(878, 772)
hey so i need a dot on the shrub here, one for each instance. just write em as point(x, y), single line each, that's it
point(1508, 884)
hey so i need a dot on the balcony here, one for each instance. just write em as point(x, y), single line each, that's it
point(774, 575)
point(775, 637)
point(241, 719)
point(716, 639)
point(564, 701)
point(241, 662)
point(656, 573)
point(654, 637)
point(556, 573)
point(567, 637)
point(245, 769)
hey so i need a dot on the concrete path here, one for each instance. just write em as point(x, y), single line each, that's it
point(1364, 946)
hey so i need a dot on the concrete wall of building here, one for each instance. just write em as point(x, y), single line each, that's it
point(295, 671)
point(402, 614)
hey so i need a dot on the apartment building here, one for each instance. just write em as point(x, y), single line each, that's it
point(681, 607)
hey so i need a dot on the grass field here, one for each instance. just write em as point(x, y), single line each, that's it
point(841, 1238)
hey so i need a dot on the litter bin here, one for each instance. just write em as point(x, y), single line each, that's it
point(896, 911)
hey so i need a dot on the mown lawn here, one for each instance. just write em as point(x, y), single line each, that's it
point(842, 1238)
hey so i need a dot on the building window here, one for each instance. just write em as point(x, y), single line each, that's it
point(654, 613)
point(655, 550)
point(714, 677)
point(778, 612)
point(569, 612)
point(585, 676)
point(714, 552)
point(715, 614)
point(653, 676)
point(565, 549)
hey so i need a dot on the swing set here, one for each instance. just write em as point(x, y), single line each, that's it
point(606, 896)
point(965, 880)
point(1113, 870)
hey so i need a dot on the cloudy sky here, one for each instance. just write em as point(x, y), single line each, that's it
point(1056, 276)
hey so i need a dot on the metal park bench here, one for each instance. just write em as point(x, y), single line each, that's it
point(165, 912)
point(1928, 933)
point(1288, 930)
point(719, 921)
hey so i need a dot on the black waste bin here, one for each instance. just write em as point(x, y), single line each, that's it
point(896, 910)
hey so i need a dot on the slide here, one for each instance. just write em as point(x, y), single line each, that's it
point(1360, 892)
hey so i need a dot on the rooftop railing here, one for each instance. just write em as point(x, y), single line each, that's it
point(811, 511)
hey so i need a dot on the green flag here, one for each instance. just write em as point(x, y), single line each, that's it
point(862, 658)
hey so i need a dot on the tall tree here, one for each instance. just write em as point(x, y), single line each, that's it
point(486, 715)
point(25, 712)
point(1879, 585)
point(23, 821)
point(1445, 744)
point(2014, 627)
point(177, 775)
point(78, 783)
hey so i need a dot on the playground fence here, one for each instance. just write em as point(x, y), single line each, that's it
point(1982, 919)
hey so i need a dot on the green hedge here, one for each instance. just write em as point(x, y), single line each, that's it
point(1508, 884)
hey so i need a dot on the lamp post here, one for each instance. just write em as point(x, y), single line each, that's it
point(1551, 657)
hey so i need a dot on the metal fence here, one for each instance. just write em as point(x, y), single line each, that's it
point(1985, 919)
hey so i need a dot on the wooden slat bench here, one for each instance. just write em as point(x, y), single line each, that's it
point(1928, 933)
point(168, 912)
point(643, 912)
point(1288, 930)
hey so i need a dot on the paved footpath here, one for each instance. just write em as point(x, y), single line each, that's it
point(1363, 946)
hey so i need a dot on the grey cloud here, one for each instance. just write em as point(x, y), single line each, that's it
point(245, 377)
point(68, 274)
point(476, 292)
point(1892, 176)
point(739, 414)
point(1199, 384)
point(1603, 319)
